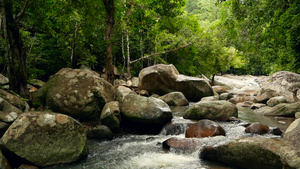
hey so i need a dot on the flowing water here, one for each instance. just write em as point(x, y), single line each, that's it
point(145, 151)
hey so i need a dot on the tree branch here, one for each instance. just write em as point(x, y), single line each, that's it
point(155, 54)
point(22, 12)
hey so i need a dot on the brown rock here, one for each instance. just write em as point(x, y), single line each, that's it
point(183, 144)
point(204, 128)
point(257, 128)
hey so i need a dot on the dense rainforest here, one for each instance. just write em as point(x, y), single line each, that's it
point(207, 37)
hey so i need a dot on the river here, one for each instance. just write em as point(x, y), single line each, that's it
point(129, 151)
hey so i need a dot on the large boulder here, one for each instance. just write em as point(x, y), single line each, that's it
point(175, 99)
point(250, 153)
point(14, 101)
point(283, 109)
point(144, 112)
point(79, 93)
point(213, 110)
point(162, 79)
point(291, 152)
point(276, 100)
point(264, 95)
point(111, 116)
point(44, 139)
point(205, 128)
point(284, 83)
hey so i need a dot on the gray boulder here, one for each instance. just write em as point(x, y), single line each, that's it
point(175, 99)
point(162, 79)
point(276, 100)
point(79, 93)
point(264, 95)
point(213, 110)
point(13, 100)
point(144, 114)
point(250, 153)
point(45, 139)
point(283, 109)
point(291, 152)
point(145, 110)
point(111, 116)
point(284, 83)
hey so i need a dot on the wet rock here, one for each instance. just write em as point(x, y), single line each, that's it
point(210, 98)
point(240, 99)
point(144, 112)
point(257, 128)
point(276, 131)
point(100, 132)
point(250, 153)
point(258, 105)
point(79, 93)
point(213, 110)
point(111, 116)
point(234, 119)
point(291, 152)
point(162, 79)
point(275, 101)
point(225, 96)
point(182, 144)
point(283, 109)
point(46, 139)
point(204, 128)
point(220, 89)
point(175, 99)
point(176, 128)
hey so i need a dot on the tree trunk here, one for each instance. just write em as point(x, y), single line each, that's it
point(15, 52)
point(110, 9)
point(128, 55)
point(123, 54)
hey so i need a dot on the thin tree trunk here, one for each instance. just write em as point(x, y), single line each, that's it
point(128, 54)
point(123, 54)
point(15, 52)
point(127, 40)
point(110, 9)
point(73, 57)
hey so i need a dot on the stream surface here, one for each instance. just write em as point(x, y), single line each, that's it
point(145, 151)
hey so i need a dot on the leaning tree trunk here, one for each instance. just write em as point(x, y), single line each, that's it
point(110, 9)
point(15, 52)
